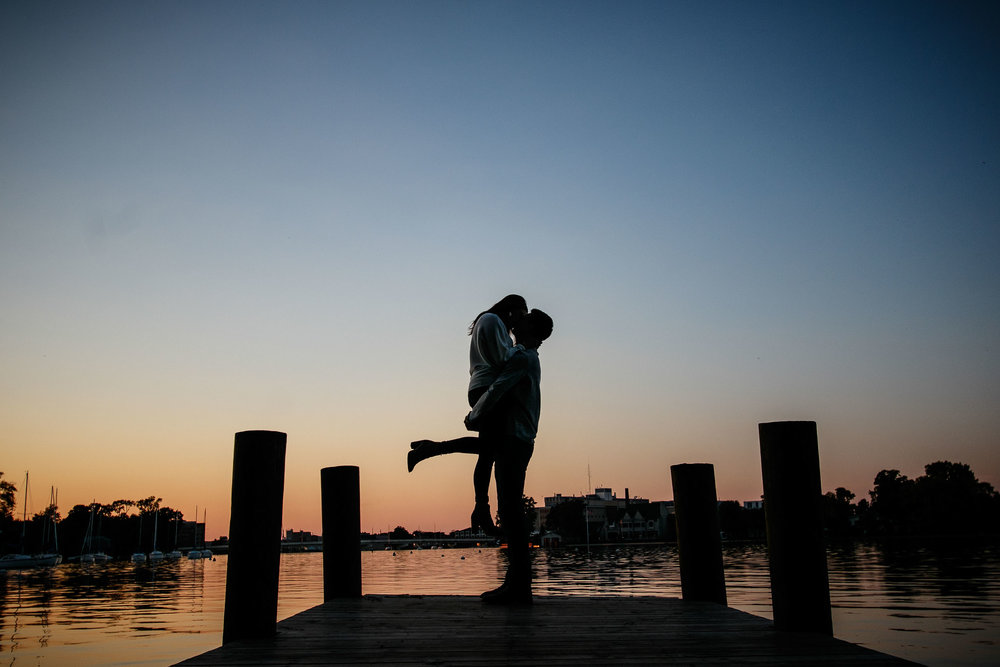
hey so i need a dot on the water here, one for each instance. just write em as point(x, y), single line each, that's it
point(934, 604)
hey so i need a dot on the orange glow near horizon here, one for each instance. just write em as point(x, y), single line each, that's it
point(436, 496)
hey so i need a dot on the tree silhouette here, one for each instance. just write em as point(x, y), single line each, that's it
point(567, 519)
point(8, 498)
point(838, 513)
point(530, 513)
point(951, 499)
point(946, 500)
point(892, 503)
point(149, 505)
point(115, 529)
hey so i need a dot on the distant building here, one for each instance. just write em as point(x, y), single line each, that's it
point(753, 504)
point(300, 536)
point(190, 534)
point(615, 519)
point(468, 533)
point(646, 521)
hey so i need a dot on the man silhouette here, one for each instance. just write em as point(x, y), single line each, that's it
point(514, 401)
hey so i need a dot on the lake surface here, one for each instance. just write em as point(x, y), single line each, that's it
point(936, 604)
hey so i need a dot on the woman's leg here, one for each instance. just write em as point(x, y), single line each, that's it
point(424, 449)
point(489, 431)
point(482, 517)
point(483, 446)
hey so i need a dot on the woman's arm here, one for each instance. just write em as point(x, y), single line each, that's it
point(493, 340)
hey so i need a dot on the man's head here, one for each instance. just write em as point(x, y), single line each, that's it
point(533, 328)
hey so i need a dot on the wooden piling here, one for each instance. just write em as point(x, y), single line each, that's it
point(800, 587)
point(341, 500)
point(699, 544)
point(254, 536)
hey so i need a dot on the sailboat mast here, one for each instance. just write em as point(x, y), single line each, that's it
point(55, 529)
point(24, 512)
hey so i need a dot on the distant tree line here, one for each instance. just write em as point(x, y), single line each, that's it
point(946, 500)
point(118, 529)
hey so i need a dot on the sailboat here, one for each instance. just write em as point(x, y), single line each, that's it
point(100, 556)
point(176, 553)
point(156, 555)
point(87, 553)
point(195, 552)
point(139, 557)
point(54, 502)
point(205, 551)
point(22, 561)
point(86, 549)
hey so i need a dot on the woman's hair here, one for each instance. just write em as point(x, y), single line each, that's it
point(502, 309)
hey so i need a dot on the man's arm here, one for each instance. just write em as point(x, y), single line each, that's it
point(513, 372)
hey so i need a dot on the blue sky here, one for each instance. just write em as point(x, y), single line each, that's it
point(258, 215)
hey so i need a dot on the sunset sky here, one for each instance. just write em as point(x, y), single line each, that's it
point(217, 217)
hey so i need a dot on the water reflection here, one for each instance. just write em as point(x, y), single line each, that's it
point(934, 602)
point(937, 604)
point(609, 570)
point(107, 613)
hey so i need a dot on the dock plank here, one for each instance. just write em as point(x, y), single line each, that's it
point(454, 630)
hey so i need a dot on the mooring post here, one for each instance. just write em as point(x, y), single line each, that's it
point(699, 544)
point(800, 587)
point(341, 499)
point(254, 536)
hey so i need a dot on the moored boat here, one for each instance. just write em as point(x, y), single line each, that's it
point(24, 561)
point(155, 556)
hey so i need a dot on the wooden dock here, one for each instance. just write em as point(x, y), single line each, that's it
point(452, 630)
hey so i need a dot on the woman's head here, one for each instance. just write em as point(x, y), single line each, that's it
point(510, 309)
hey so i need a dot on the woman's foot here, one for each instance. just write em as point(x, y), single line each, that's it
point(481, 519)
point(419, 450)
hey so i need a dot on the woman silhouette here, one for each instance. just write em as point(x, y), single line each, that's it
point(488, 350)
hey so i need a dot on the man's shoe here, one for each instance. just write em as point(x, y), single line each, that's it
point(509, 595)
point(496, 591)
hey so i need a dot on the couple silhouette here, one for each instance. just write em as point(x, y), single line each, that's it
point(505, 402)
